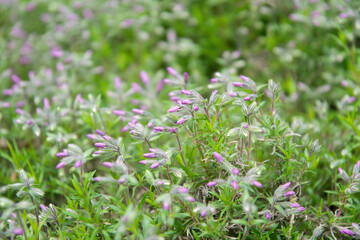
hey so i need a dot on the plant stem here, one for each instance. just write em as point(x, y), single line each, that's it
point(21, 223)
point(168, 173)
point(147, 142)
point(180, 149)
point(247, 229)
point(249, 144)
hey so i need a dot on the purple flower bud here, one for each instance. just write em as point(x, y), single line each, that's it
point(190, 199)
point(101, 133)
point(185, 102)
point(46, 103)
point(153, 150)
point(203, 213)
point(244, 78)
point(138, 111)
point(232, 94)
point(183, 190)
point(19, 104)
point(267, 215)
point(172, 130)
point(238, 84)
point(286, 185)
point(186, 92)
point(289, 193)
point(90, 136)
point(7, 92)
point(100, 145)
point(300, 209)
point(15, 79)
point(347, 232)
point(351, 99)
point(60, 165)
point(18, 231)
point(149, 155)
point(256, 184)
point(235, 171)
point(344, 83)
point(121, 180)
point(160, 183)
point(98, 152)
point(136, 87)
point(61, 154)
point(245, 125)
point(155, 165)
point(181, 121)
point(295, 205)
point(213, 80)
point(186, 76)
point(6, 105)
point(234, 184)
point(171, 71)
point(19, 111)
point(125, 219)
point(175, 99)
point(143, 162)
point(247, 98)
point(165, 206)
point(108, 164)
point(125, 129)
point(219, 158)
point(117, 82)
point(211, 184)
point(343, 15)
point(56, 52)
point(195, 108)
point(144, 77)
point(42, 206)
point(97, 179)
point(29, 122)
point(159, 86)
point(107, 138)
point(174, 109)
point(77, 164)
point(159, 129)
point(119, 112)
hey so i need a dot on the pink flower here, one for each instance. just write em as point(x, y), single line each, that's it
point(144, 77)
point(211, 184)
point(219, 158)
point(119, 112)
point(183, 190)
point(238, 84)
point(234, 184)
point(235, 171)
point(108, 164)
point(289, 193)
point(60, 165)
point(155, 165)
point(171, 71)
point(186, 92)
point(181, 121)
point(138, 111)
point(256, 184)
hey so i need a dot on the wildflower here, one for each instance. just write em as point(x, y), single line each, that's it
point(144, 77)
point(247, 98)
point(143, 162)
point(100, 145)
point(138, 111)
point(294, 205)
point(172, 130)
point(213, 80)
point(15, 79)
point(119, 112)
point(235, 171)
point(211, 184)
point(183, 190)
point(171, 71)
point(121, 180)
point(219, 158)
point(347, 232)
point(181, 121)
point(159, 129)
point(256, 184)
point(185, 102)
point(238, 84)
point(286, 185)
point(60, 165)
point(155, 165)
point(19, 111)
point(186, 92)
point(135, 87)
point(166, 206)
point(190, 199)
point(18, 231)
point(289, 193)
point(244, 78)
point(46, 103)
point(203, 213)
point(267, 215)
point(234, 184)
point(186, 76)
point(195, 108)
point(78, 164)
point(300, 209)
point(232, 94)
point(149, 155)
point(61, 154)
point(101, 133)
point(108, 164)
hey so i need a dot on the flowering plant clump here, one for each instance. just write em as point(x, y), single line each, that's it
point(119, 120)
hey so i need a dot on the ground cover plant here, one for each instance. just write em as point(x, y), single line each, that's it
point(179, 119)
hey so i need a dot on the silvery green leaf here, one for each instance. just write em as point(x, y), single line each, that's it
point(254, 129)
point(37, 192)
point(344, 175)
point(16, 185)
point(314, 146)
point(212, 98)
point(36, 130)
point(149, 176)
point(233, 132)
point(6, 214)
point(281, 210)
point(317, 232)
point(177, 172)
point(4, 202)
point(244, 132)
point(353, 188)
point(75, 148)
point(23, 176)
point(23, 205)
